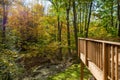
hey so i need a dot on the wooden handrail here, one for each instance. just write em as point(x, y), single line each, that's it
point(101, 41)
point(103, 54)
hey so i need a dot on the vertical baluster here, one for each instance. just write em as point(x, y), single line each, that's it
point(85, 51)
point(84, 46)
point(109, 53)
point(94, 54)
point(86, 54)
point(91, 50)
point(105, 60)
point(78, 48)
point(116, 64)
point(112, 63)
point(97, 55)
point(100, 55)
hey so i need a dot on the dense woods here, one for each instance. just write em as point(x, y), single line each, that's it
point(33, 32)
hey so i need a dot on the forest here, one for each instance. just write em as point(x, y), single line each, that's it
point(40, 34)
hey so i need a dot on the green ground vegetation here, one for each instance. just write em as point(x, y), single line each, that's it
point(71, 73)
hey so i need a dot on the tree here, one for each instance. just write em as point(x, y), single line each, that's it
point(4, 20)
point(57, 6)
point(68, 4)
point(118, 9)
point(89, 16)
point(75, 24)
point(5, 5)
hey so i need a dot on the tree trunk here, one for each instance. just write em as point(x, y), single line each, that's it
point(4, 21)
point(89, 20)
point(83, 18)
point(80, 28)
point(118, 18)
point(112, 23)
point(86, 19)
point(68, 27)
point(59, 38)
point(75, 26)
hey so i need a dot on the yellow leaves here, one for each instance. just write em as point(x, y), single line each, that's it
point(38, 10)
point(7, 59)
point(97, 32)
point(4, 60)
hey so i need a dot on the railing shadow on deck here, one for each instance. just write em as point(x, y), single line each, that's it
point(101, 57)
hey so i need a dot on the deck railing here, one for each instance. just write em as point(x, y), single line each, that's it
point(105, 55)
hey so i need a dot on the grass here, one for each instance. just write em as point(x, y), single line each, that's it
point(72, 73)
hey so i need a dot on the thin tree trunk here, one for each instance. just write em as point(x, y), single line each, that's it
point(112, 23)
point(118, 18)
point(68, 27)
point(83, 18)
point(75, 26)
point(59, 38)
point(4, 21)
point(89, 19)
point(80, 30)
point(86, 17)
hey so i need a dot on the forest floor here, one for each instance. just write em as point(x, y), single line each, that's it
point(45, 70)
point(57, 72)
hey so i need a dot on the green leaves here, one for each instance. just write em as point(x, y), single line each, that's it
point(8, 64)
point(71, 73)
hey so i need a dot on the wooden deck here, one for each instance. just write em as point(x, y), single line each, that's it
point(102, 58)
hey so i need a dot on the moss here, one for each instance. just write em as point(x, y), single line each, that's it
point(71, 73)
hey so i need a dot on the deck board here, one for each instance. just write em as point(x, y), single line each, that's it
point(97, 73)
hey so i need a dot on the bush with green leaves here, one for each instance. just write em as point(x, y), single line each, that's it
point(9, 68)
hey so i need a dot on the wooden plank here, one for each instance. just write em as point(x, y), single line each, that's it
point(86, 54)
point(112, 63)
point(96, 71)
point(101, 56)
point(96, 53)
point(79, 48)
point(104, 62)
point(93, 54)
point(109, 62)
point(116, 64)
point(82, 71)
point(102, 41)
point(82, 57)
point(97, 57)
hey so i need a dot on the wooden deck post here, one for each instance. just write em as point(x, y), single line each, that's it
point(116, 67)
point(104, 62)
point(112, 61)
point(86, 54)
point(82, 70)
point(79, 48)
